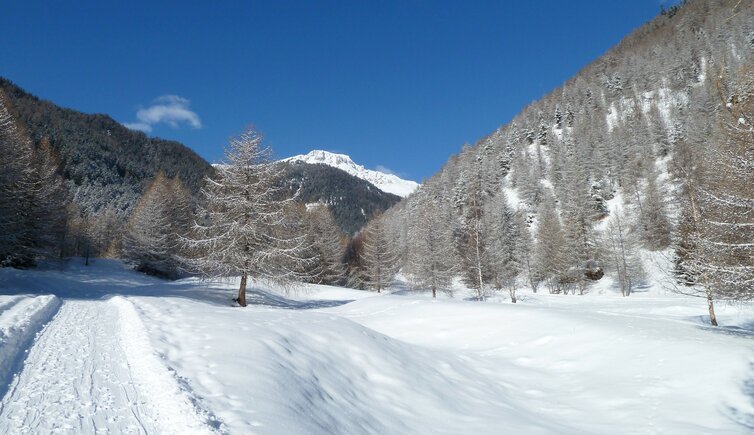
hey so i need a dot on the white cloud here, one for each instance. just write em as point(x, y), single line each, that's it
point(172, 110)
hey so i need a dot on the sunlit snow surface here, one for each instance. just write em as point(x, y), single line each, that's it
point(176, 357)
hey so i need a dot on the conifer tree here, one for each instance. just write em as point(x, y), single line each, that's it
point(379, 260)
point(654, 223)
point(158, 220)
point(431, 261)
point(549, 251)
point(326, 243)
point(31, 196)
point(502, 243)
point(622, 245)
point(244, 221)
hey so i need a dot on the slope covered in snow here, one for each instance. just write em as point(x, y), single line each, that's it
point(386, 182)
point(175, 357)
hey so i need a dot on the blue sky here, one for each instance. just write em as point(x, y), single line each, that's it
point(399, 84)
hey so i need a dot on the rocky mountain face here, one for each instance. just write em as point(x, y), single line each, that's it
point(352, 200)
point(388, 183)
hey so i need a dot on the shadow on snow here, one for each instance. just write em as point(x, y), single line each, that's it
point(104, 278)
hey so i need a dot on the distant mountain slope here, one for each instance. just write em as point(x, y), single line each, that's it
point(386, 182)
point(624, 133)
point(353, 201)
point(104, 163)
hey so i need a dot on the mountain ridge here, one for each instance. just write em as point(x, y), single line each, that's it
point(388, 183)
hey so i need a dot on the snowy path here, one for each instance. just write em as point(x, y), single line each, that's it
point(159, 357)
point(91, 371)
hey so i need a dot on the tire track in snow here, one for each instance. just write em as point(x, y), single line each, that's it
point(92, 371)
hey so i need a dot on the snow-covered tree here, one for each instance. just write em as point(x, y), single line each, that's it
point(549, 251)
point(470, 234)
point(622, 246)
point(653, 216)
point(715, 246)
point(326, 244)
point(157, 222)
point(504, 252)
point(431, 263)
point(378, 258)
point(32, 201)
point(244, 224)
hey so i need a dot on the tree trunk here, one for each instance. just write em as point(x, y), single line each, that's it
point(434, 292)
point(711, 306)
point(242, 291)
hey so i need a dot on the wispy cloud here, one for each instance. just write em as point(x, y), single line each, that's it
point(385, 169)
point(172, 110)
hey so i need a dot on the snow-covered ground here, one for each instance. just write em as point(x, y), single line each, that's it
point(117, 351)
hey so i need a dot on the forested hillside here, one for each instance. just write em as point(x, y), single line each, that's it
point(351, 200)
point(87, 177)
point(647, 149)
point(103, 163)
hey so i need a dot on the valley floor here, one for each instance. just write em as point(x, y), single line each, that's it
point(101, 349)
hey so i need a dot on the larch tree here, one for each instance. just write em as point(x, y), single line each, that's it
point(327, 246)
point(653, 216)
point(158, 220)
point(378, 257)
point(243, 224)
point(470, 233)
point(431, 263)
point(723, 205)
point(502, 242)
point(715, 246)
point(549, 251)
point(622, 245)
point(32, 200)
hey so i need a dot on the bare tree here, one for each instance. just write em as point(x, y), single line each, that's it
point(623, 252)
point(549, 251)
point(379, 260)
point(157, 222)
point(32, 200)
point(720, 194)
point(502, 240)
point(243, 224)
point(326, 244)
point(431, 261)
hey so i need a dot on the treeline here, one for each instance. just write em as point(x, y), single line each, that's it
point(647, 149)
point(106, 167)
point(250, 217)
point(244, 220)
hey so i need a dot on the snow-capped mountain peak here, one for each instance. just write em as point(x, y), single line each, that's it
point(386, 182)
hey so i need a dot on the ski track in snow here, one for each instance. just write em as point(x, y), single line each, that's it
point(91, 371)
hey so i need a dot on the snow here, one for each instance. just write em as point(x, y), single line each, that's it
point(663, 98)
point(20, 320)
point(388, 183)
point(176, 357)
point(88, 372)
